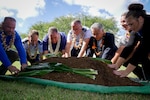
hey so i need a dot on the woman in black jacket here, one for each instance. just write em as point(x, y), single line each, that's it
point(139, 22)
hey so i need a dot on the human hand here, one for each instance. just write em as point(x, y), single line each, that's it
point(113, 66)
point(13, 69)
point(121, 73)
point(23, 66)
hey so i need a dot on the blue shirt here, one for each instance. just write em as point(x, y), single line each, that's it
point(18, 44)
point(62, 43)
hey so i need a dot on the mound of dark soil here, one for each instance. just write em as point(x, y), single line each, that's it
point(105, 75)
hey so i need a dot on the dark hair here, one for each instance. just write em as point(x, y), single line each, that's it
point(0, 26)
point(52, 29)
point(5, 19)
point(33, 32)
point(76, 21)
point(136, 10)
point(10, 18)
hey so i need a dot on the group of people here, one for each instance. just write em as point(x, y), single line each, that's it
point(82, 41)
point(77, 43)
point(136, 54)
point(54, 43)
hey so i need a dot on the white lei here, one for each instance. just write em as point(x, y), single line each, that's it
point(57, 46)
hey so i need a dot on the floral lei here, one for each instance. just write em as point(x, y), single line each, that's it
point(75, 39)
point(29, 52)
point(11, 42)
point(57, 46)
point(97, 53)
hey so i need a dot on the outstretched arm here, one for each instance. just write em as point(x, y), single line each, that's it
point(67, 49)
point(84, 47)
point(21, 51)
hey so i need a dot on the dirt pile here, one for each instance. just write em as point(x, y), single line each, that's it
point(105, 75)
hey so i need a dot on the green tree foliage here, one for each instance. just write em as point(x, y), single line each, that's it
point(23, 35)
point(63, 23)
point(42, 28)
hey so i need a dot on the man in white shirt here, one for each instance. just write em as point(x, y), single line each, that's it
point(77, 39)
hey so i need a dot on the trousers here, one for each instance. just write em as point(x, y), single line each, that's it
point(13, 56)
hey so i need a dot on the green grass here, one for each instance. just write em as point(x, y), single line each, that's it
point(24, 91)
point(18, 90)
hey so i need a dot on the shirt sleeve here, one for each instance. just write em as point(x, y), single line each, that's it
point(40, 46)
point(45, 42)
point(110, 40)
point(24, 42)
point(21, 51)
point(88, 34)
point(63, 40)
point(69, 37)
point(129, 47)
point(3, 57)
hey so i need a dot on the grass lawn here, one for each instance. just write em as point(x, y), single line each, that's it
point(18, 90)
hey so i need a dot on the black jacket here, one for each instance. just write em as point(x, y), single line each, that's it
point(141, 53)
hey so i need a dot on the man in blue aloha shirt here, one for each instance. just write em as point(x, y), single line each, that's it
point(8, 38)
point(54, 42)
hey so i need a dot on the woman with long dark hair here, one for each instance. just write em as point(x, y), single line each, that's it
point(139, 22)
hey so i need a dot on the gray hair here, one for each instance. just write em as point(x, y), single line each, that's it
point(97, 26)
